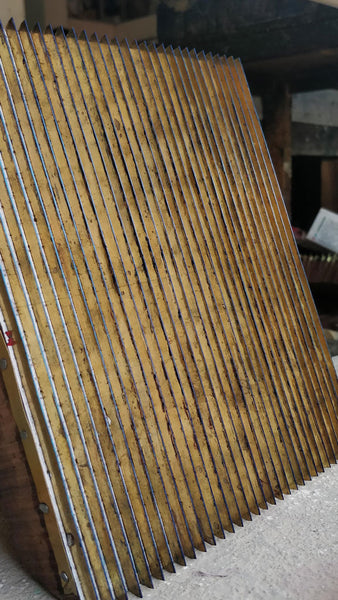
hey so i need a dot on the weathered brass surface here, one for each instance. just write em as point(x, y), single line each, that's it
point(159, 322)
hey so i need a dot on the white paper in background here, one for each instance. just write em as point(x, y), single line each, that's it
point(335, 363)
point(324, 230)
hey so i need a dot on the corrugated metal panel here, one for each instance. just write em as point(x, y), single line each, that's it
point(168, 352)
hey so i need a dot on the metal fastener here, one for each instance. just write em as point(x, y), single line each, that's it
point(3, 364)
point(64, 576)
point(44, 508)
point(70, 539)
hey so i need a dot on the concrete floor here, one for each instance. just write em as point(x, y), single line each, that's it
point(15, 584)
point(290, 552)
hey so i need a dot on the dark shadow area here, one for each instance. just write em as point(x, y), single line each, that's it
point(305, 190)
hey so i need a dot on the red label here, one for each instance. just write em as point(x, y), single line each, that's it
point(11, 341)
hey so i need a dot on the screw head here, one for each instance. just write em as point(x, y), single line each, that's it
point(70, 539)
point(44, 508)
point(64, 577)
point(3, 364)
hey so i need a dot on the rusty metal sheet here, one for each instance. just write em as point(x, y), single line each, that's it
point(167, 362)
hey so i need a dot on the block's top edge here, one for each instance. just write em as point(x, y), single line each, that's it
point(82, 35)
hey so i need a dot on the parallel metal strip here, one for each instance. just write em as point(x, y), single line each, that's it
point(214, 225)
point(165, 334)
point(182, 221)
point(194, 231)
point(110, 437)
point(263, 311)
point(173, 241)
point(185, 314)
point(129, 101)
point(102, 456)
point(19, 187)
point(45, 304)
point(74, 361)
point(167, 304)
point(167, 160)
point(268, 325)
point(125, 273)
point(191, 366)
point(223, 277)
point(142, 184)
point(255, 260)
point(313, 336)
point(310, 337)
point(148, 459)
point(249, 374)
point(106, 289)
point(243, 228)
point(110, 229)
point(10, 313)
point(115, 482)
point(17, 273)
point(307, 382)
point(137, 454)
point(165, 254)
